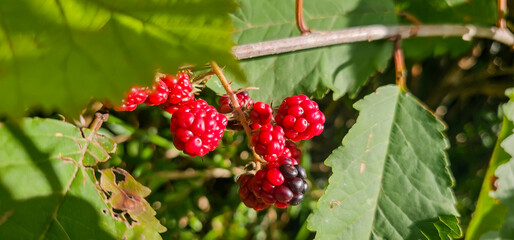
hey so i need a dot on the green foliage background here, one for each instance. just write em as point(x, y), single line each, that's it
point(63, 54)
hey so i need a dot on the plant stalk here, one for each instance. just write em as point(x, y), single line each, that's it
point(300, 21)
point(369, 33)
point(237, 107)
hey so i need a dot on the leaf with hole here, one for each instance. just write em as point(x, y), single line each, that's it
point(46, 190)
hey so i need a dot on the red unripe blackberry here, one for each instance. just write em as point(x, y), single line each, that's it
point(197, 128)
point(244, 99)
point(180, 88)
point(292, 151)
point(247, 196)
point(158, 94)
point(170, 108)
point(275, 177)
point(300, 118)
point(269, 142)
point(261, 113)
point(136, 96)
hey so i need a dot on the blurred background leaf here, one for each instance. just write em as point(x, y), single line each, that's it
point(60, 55)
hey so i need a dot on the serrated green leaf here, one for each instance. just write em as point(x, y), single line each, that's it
point(390, 178)
point(46, 192)
point(505, 194)
point(344, 68)
point(60, 54)
point(489, 215)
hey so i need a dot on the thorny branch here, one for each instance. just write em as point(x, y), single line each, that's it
point(237, 108)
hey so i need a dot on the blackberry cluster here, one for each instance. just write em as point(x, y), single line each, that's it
point(281, 183)
point(136, 96)
point(269, 142)
point(244, 99)
point(158, 95)
point(169, 92)
point(300, 117)
point(261, 114)
point(197, 128)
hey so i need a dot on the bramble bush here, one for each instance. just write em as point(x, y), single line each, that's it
point(223, 119)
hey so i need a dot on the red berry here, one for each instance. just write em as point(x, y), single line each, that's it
point(292, 151)
point(269, 142)
point(136, 96)
point(158, 94)
point(275, 177)
point(261, 113)
point(180, 88)
point(197, 128)
point(244, 99)
point(300, 118)
point(248, 197)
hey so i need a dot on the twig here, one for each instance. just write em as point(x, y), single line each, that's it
point(300, 22)
point(100, 118)
point(502, 7)
point(413, 19)
point(237, 108)
point(369, 33)
point(399, 63)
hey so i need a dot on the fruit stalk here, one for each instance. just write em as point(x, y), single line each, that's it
point(235, 103)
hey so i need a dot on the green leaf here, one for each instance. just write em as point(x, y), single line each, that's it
point(505, 193)
point(489, 215)
point(46, 191)
point(60, 54)
point(344, 68)
point(391, 178)
point(505, 182)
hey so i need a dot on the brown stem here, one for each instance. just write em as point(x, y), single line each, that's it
point(399, 63)
point(413, 19)
point(237, 108)
point(502, 7)
point(100, 118)
point(300, 22)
